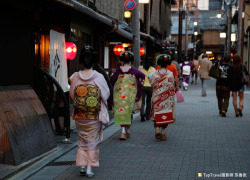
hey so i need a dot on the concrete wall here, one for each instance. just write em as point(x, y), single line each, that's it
point(114, 8)
point(161, 17)
point(246, 47)
point(165, 20)
point(155, 15)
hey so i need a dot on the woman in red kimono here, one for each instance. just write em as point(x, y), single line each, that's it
point(162, 82)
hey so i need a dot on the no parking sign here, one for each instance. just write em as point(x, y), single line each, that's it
point(129, 4)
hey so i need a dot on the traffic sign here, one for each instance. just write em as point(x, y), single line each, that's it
point(129, 4)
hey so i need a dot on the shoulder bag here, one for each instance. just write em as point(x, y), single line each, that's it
point(214, 71)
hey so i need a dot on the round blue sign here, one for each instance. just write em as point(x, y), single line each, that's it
point(129, 4)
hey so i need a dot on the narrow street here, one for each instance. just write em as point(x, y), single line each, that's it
point(200, 141)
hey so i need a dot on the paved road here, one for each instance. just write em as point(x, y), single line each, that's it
point(200, 141)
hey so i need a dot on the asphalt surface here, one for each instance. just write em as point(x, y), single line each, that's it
point(200, 141)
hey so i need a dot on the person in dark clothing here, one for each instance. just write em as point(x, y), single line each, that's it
point(236, 85)
point(222, 87)
point(147, 90)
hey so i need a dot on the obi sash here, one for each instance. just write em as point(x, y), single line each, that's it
point(125, 90)
point(87, 100)
point(163, 101)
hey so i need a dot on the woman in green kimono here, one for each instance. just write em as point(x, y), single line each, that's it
point(127, 83)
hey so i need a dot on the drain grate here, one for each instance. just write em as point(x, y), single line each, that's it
point(62, 163)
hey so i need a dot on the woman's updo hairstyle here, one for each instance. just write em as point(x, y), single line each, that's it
point(127, 56)
point(163, 60)
point(88, 57)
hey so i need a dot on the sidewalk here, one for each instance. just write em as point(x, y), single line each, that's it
point(34, 165)
point(200, 141)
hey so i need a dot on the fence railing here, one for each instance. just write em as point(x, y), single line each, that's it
point(54, 99)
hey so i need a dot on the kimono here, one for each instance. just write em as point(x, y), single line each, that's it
point(185, 72)
point(93, 93)
point(162, 98)
point(126, 90)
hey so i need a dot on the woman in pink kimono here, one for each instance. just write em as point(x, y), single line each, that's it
point(89, 91)
point(162, 82)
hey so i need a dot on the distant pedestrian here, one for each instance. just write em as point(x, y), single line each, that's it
point(222, 86)
point(147, 90)
point(194, 69)
point(185, 73)
point(162, 82)
point(127, 84)
point(89, 92)
point(235, 75)
point(205, 66)
point(178, 70)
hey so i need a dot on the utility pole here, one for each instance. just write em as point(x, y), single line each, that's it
point(240, 27)
point(187, 27)
point(229, 28)
point(180, 31)
point(136, 31)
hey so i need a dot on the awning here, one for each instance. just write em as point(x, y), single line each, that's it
point(147, 36)
point(125, 34)
point(86, 10)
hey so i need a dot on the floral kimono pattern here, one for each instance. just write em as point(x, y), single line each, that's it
point(163, 99)
point(125, 90)
point(87, 100)
point(90, 106)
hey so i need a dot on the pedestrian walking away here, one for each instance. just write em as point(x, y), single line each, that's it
point(162, 82)
point(185, 73)
point(222, 86)
point(194, 69)
point(127, 84)
point(205, 65)
point(178, 70)
point(147, 90)
point(237, 86)
point(171, 67)
point(89, 92)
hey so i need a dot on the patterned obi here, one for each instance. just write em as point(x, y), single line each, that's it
point(124, 95)
point(87, 102)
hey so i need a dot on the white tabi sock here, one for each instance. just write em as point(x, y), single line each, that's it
point(89, 170)
point(123, 130)
point(128, 129)
point(163, 130)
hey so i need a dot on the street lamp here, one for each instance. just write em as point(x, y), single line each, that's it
point(209, 52)
point(233, 37)
point(127, 14)
point(218, 15)
point(223, 35)
point(195, 33)
point(195, 23)
point(144, 1)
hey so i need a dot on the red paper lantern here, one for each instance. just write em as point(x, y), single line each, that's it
point(142, 51)
point(71, 50)
point(118, 49)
